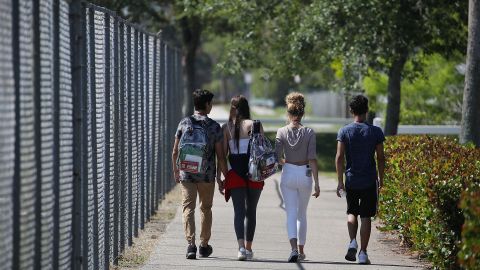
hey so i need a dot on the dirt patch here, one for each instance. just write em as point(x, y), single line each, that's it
point(395, 243)
point(135, 256)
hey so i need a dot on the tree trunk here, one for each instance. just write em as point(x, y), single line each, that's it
point(191, 31)
point(394, 84)
point(471, 95)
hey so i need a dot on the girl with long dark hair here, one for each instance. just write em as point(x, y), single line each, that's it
point(244, 193)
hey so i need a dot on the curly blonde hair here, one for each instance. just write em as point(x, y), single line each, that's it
point(295, 104)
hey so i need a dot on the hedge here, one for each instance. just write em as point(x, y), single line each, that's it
point(431, 192)
point(469, 255)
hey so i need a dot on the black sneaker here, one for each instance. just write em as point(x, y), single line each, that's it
point(191, 252)
point(351, 255)
point(205, 251)
point(352, 251)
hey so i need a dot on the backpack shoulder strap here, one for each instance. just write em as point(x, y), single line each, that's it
point(202, 123)
point(256, 127)
point(254, 131)
point(192, 119)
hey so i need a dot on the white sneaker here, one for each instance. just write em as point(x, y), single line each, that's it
point(242, 254)
point(302, 256)
point(249, 255)
point(363, 257)
point(352, 251)
point(293, 256)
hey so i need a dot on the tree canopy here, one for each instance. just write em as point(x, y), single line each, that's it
point(295, 37)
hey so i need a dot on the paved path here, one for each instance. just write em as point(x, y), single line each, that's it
point(326, 238)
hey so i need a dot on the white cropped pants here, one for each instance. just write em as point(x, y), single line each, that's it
point(296, 190)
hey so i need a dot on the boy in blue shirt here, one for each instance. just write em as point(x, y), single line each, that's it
point(358, 142)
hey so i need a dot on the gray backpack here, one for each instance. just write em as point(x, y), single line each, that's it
point(194, 148)
point(263, 161)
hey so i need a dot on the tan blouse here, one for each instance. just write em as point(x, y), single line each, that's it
point(296, 144)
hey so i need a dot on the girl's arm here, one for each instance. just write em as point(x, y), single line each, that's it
point(314, 166)
point(279, 149)
point(312, 162)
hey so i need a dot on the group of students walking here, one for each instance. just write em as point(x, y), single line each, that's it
point(295, 146)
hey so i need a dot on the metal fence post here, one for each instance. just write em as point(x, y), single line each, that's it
point(148, 126)
point(141, 131)
point(7, 135)
point(107, 171)
point(78, 56)
point(118, 177)
point(25, 164)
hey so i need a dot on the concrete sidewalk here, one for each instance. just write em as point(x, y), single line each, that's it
point(327, 238)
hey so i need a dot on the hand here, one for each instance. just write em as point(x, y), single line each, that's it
point(340, 186)
point(221, 186)
point(176, 175)
point(317, 191)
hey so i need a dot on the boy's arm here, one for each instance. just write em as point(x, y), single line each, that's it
point(176, 172)
point(339, 160)
point(222, 163)
point(225, 150)
point(380, 163)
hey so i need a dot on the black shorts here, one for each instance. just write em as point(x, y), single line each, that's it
point(362, 202)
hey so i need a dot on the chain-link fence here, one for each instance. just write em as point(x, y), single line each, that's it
point(88, 108)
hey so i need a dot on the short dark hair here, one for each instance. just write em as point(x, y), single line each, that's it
point(200, 98)
point(359, 105)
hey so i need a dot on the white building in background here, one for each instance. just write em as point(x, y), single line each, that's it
point(327, 104)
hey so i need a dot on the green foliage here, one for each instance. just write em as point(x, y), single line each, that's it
point(469, 255)
point(326, 151)
point(432, 97)
point(298, 37)
point(263, 84)
point(375, 86)
point(267, 34)
point(424, 180)
point(222, 83)
point(375, 32)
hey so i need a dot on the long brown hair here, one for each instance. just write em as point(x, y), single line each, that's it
point(240, 105)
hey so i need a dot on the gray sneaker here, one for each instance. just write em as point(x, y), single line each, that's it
point(352, 251)
point(242, 254)
point(249, 254)
point(363, 257)
point(293, 256)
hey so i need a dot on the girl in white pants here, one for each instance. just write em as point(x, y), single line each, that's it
point(295, 145)
point(296, 190)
